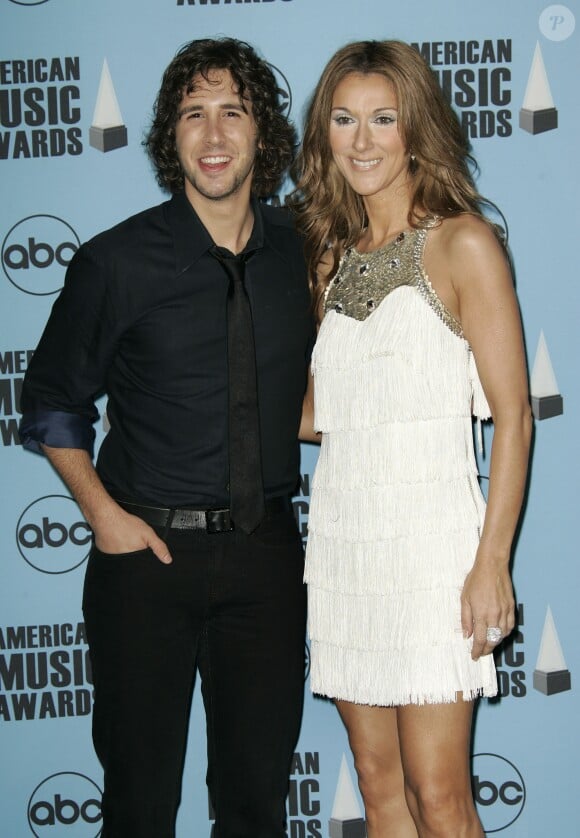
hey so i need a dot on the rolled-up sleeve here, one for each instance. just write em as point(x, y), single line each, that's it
point(68, 370)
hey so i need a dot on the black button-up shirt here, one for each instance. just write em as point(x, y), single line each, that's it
point(142, 317)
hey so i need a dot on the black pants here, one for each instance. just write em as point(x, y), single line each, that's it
point(232, 606)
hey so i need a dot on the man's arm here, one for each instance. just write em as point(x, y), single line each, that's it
point(66, 374)
point(116, 531)
point(69, 366)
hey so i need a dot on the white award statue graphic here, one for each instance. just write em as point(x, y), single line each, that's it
point(546, 399)
point(538, 113)
point(551, 675)
point(346, 820)
point(107, 131)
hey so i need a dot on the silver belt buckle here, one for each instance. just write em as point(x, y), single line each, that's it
point(188, 519)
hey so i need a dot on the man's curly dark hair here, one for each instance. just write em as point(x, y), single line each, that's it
point(255, 82)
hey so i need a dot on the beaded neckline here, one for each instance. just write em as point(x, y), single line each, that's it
point(394, 241)
point(364, 280)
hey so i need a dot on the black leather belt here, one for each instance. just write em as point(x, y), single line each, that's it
point(210, 520)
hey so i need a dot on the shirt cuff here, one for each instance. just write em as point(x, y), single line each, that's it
point(56, 429)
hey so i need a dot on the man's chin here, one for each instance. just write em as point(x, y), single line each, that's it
point(216, 192)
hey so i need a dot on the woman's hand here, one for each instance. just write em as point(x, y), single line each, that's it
point(487, 601)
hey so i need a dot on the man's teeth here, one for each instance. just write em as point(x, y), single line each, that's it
point(212, 161)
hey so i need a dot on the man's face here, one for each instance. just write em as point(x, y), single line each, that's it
point(216, 139)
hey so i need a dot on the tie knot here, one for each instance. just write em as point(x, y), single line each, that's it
point(233, 264)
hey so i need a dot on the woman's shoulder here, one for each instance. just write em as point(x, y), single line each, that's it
point(463, 237)
point(463, 228)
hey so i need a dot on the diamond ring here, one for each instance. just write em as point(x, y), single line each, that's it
point(493, 634)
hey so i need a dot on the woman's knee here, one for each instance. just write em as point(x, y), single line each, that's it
point(378, 779)
point(440, 805)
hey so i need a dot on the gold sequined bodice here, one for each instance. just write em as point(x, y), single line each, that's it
point(363, 280)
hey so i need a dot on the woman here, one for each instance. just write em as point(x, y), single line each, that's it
point(409, 589)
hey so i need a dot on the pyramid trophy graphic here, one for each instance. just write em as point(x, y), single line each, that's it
point(107, 131)
point(538, 113)
point(546, 400)
point(346, 820)
point(551, 675)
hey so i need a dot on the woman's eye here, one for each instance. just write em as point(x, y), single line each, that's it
point(343, 120)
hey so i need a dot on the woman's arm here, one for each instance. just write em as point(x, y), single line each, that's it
point(307, 432)
point(488, 311)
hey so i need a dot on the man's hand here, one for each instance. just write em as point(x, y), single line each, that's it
point(126, 533)
point(116, 531)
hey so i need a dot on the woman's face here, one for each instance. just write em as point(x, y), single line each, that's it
point(364, 135)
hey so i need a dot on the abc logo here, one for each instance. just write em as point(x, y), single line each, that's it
point(499, 791)
point(65, 804)
point(36, 253)
point(29, 2)
point(52, 535)
point(284, 91)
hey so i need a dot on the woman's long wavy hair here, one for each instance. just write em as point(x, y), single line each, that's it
point(255, 83)
point(330, 213)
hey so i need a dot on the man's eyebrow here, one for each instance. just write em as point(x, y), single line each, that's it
point(236, 106)
point(226, 106)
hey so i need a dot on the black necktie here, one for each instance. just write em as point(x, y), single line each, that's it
point(246, 485)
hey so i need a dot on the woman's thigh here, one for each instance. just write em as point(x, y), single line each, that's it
point(434, 741)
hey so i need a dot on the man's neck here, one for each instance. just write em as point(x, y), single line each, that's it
point(229, 221)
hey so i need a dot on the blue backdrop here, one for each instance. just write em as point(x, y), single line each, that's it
point(77, 82)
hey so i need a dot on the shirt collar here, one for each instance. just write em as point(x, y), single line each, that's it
point(190, 237)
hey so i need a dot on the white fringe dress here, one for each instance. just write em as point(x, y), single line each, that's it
point(396, 509)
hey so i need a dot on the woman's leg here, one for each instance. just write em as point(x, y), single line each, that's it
point(434, 741)
point(374, 741)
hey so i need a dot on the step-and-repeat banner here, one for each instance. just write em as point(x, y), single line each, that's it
point(70, 69)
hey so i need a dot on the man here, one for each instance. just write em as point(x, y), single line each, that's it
point(197, 561)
